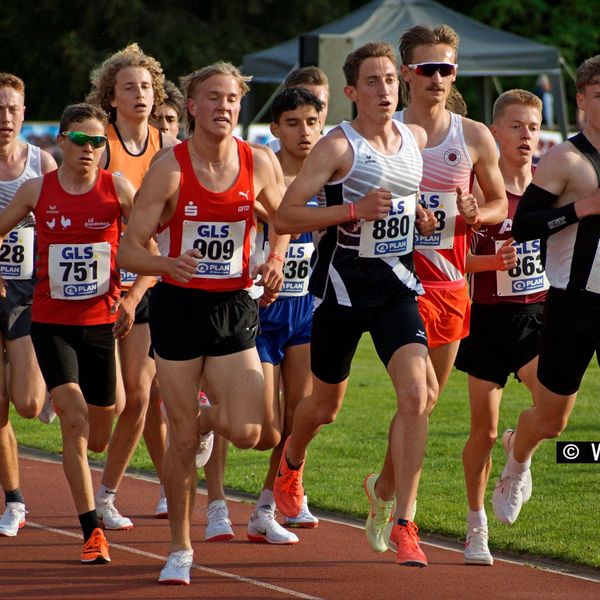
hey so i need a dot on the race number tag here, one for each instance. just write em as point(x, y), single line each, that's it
point(220, 244)
point(16, 254)
point(127, 278)
point(79, 271)
point(443, 206)
point(296, 270)
point(392, 236)
point(528, 276)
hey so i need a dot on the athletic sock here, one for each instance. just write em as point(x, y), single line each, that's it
point(403, 522)
point(291, 466)
point(476, 519)
point(516, 469)
point(14, 496)
point(104, 494)
point(89, 521)
point(266, 500)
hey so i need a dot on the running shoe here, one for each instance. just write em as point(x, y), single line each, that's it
point(390, 525)
point(288, 489)
point(304, 520)
point(177, 569)
point(110, 517)
point(511, 491)
point(380, 513)
point(13, 519)
point(47, 414)
point(161, 511)
point(476, 547)
point(263, 528)
point(95, 550)
point(218, 525)
point(405, 541)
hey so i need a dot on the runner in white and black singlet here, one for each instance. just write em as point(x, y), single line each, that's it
point(562, 207)
point(508, 288)
point(363, 278)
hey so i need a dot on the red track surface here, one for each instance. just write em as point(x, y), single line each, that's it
point(333, 561)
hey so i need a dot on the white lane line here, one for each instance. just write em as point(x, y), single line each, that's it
point(197, 567)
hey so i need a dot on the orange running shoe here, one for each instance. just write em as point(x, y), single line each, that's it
point(95, 550)
point(288, 489)
point(406, 543)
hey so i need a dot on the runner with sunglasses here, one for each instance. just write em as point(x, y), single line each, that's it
point(19, 161)
point(78, 211)
point(127, 85)
point(457, 150)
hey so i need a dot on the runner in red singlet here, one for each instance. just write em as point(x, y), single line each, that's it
point(76, 313)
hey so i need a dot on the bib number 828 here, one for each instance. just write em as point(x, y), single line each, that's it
point(215, 249)
point(391, 228)
point(17, 254)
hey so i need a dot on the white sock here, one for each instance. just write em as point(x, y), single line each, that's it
point(476, 519)
point(516, 469)
point(162, 491)
point(266, 499)
point(104, 494)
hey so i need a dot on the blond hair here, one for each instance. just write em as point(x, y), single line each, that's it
point(189, 83)
point(305, 76)
point(12, 81)
point(368, 50)
point(516, 96)
point(104, 77)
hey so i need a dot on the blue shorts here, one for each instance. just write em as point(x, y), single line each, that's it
point(287, 322)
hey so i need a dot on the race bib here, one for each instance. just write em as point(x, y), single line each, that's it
point(527, 276)
point(79, 271)
point(16, 254)
point(392, 236)
point(443, 206)
point(220, 244)
point(296, 270)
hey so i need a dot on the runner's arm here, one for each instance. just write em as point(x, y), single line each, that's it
point(503, 260)
point(23, 202)
point(48, 162)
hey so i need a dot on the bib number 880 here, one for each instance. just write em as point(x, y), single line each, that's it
point(391, 228)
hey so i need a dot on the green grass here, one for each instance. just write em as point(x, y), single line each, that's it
point(560, 521)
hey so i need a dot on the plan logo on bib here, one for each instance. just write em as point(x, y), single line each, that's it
point(452, 157)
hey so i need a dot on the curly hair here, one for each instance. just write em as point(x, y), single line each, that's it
point(12, 81)
point(104, 77)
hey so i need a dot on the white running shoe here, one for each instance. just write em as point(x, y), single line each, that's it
point(218, 525)
point(262, 527)
point(13, 519)
point(476, 547)
point(161, 511)
point(177, 569)
point(47, 414)
point(110, 517)
point(380, 514)
point(511, 491)
point(304, 519)
point(205, 447)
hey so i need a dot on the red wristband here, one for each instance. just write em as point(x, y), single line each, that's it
point(275, 257)
point(353, 212)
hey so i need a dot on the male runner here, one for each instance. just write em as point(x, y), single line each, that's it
point(562, 207)
point(508, 288)
point(19, 162)
point(166, 116)
point(363, 277)
point(200, 198)
point(284, 342)
point(457, 149)
point(128, 85)
point(78, 211)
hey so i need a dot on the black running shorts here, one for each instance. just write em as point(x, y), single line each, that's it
point(570, 336)
point(337, 330)
point(79, 354)
point(15, 309)
point(186, 323)
point(502, 339)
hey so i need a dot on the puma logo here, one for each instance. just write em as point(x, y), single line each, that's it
point(245, 194)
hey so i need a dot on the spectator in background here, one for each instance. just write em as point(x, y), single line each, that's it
point(543, 90)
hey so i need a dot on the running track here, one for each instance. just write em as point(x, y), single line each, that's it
point(331, 562)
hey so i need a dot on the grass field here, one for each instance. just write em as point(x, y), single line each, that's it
point(562, 519)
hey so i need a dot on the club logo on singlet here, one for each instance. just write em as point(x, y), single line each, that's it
point(452, 157)
point(190, 209)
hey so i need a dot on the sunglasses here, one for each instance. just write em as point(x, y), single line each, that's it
point(81, 139)
point(430, 69)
